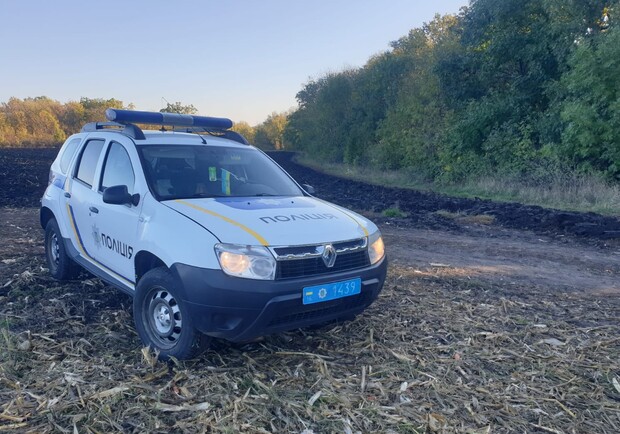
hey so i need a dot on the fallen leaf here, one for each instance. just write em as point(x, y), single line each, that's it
point(436, 422)
point(172, 408)
point(614, 381)
point(110, 392)
point(316, 396)
point(553, 342)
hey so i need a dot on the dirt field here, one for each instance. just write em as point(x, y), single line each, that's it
point(496, 318)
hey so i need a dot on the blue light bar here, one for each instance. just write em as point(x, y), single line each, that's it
point(157, 118)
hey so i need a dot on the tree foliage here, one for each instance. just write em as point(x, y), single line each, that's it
point(41, 121)
point(591, 110)
point(501, 87)
point(179, 107)
point(270, 133)
point(246, 130)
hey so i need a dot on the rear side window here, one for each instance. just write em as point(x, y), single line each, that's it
point(117, 169)
point(88, 161)
point(67, 154)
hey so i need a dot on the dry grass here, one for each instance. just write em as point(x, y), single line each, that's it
point(552, 188)
point(478, 219)
point(563, 191)
point(438, 352)
point(390, 178)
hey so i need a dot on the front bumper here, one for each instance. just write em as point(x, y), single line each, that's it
point(239, 309)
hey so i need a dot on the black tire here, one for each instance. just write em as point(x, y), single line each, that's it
point(162, 321)
point(61, 266)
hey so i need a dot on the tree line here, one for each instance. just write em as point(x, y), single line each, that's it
point(508, 87)
point(42, 121)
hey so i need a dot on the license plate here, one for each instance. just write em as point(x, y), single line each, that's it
point(331, 291)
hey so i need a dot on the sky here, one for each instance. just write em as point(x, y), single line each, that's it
point(241, 59)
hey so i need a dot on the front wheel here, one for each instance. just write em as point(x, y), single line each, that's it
point(162, 321)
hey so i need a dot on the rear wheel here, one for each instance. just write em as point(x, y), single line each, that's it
point(61, 266)
point(162, 321)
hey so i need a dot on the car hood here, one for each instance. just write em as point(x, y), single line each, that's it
point(274, 221)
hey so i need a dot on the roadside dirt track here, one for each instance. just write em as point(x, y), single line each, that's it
point(481, 328)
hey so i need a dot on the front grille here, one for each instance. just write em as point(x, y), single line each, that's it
point(317, 310)
point(315, 266)
point(303, 252)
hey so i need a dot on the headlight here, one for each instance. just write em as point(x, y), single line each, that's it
point(376, 249)
point(249, 262)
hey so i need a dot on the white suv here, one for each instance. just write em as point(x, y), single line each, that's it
point(208, 234)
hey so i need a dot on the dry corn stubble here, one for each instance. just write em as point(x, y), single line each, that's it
point(436, 353)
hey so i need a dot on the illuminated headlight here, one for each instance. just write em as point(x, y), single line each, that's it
point(376, 249)
point(249, 262)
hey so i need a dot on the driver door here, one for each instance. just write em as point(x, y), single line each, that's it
point(117, 225)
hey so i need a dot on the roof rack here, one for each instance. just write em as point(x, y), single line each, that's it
point(227, 134)
point(129, 130)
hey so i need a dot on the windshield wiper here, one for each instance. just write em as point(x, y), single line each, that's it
point(206, 196)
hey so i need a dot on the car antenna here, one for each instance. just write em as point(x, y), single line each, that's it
point(192, 130)
point(204, 141)
point(163, 128)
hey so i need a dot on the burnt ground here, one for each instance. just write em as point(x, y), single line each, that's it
point(500, 318)
point(23, 175)
point(421, 207)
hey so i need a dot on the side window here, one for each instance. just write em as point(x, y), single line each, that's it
point(88, 161)
point(67, 154)
point(117, 169)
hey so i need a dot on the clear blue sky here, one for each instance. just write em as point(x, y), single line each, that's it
point(240, 59)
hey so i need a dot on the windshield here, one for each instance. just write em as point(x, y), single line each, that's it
point(183, 172)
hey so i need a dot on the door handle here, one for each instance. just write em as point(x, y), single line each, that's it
point(93, 209)
point(67, 194)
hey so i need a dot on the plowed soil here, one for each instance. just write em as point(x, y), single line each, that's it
point(495, 318)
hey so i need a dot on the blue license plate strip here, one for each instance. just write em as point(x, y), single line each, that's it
point(331, 291)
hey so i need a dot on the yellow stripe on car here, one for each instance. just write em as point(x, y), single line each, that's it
point(355, 220)
point(75, 232)
point(342, 210)
point(226, 219)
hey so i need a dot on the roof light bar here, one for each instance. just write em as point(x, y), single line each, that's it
point(157, 118)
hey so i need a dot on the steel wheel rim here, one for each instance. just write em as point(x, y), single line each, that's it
point(163, 318)
point(54, 249)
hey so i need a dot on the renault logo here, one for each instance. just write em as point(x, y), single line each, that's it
point(329, 255)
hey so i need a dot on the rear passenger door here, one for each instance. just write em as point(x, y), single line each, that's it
point(81, 204)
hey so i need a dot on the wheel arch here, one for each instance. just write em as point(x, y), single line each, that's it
point(45, 215)
point(146, 261)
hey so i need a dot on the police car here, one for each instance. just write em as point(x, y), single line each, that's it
point(208, 234)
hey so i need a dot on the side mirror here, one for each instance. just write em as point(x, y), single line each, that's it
point(119, 195)
point(309, 189)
